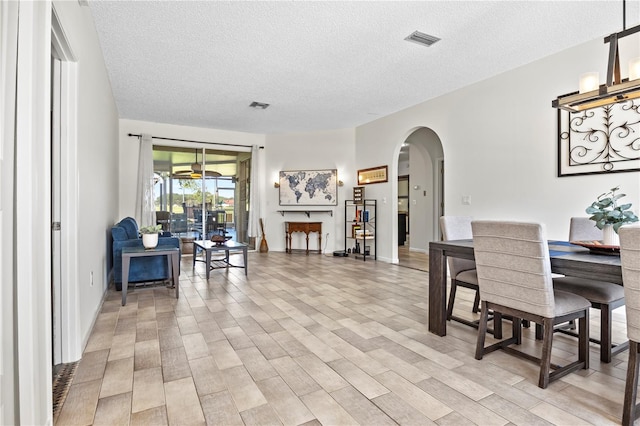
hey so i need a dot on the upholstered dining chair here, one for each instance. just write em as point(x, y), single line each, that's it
point(583, 229)
point(630, 259)
point(462, 271)
point(602, 295)
point(514, 276)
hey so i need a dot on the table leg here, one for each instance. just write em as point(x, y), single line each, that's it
point(437, 292)
point(125, 278)
point(320, 242)
point(195, 251)
point(175, 273)
point(208, 262)
point(307, 252)
point(246, 264)
point(169, 259)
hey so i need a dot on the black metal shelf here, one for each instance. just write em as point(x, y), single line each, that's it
point(369, 225)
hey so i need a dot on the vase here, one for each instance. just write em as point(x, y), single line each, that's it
point(609, 236)
point(149, 241)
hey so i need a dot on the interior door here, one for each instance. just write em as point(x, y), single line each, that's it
point(56, 197)
point(8, 47)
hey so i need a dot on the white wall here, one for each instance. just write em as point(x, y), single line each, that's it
point(499, 140)
point(97, 158)
point(332, 149)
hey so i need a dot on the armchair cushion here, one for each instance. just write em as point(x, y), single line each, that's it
point(118, 233)
point(125, 234)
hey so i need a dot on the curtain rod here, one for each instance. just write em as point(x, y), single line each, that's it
point(187, 140)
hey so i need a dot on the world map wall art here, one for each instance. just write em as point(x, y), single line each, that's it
point(599, 140)
point(309, 188)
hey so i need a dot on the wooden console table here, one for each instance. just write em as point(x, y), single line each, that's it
point(306, 227)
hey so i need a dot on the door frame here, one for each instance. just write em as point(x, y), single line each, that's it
point(70, 343)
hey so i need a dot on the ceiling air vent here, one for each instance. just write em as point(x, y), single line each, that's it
point(422, 38)
point(259, 105)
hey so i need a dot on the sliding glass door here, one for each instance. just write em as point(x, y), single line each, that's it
point(198, 192)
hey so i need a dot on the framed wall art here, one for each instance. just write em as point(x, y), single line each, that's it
point(599, 140)
point(372, 175)
point(309, 188)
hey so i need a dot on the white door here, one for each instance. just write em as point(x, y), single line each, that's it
point(8, 46)
point(56, 197)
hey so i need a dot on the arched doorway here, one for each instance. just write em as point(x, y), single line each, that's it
point(421, 198)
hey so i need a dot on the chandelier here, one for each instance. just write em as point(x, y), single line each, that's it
point(591, 93)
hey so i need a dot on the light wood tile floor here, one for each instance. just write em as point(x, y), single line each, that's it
point(317, 340)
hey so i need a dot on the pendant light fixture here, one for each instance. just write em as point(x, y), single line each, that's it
point(591, 93)
point(196, 171)
point(196, 168)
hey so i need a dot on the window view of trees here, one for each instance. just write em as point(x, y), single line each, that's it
point(195, 190)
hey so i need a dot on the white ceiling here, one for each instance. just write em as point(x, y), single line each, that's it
point(322, 64)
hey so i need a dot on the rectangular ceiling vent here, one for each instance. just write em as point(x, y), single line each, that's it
point(422, 38)
point(259, 105)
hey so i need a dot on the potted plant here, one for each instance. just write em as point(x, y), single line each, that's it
point(609, 216)
point(150, 235)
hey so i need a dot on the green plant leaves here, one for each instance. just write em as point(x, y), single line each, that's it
point(605, 211)
point(151, 229)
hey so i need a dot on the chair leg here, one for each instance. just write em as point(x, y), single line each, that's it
point(539, 331)
point(476, 302)
point(497, 325)
point(482, 330)
point(605, 333)
point(452, 298)
point(545, 358)
point(629, 410)
point(583, 340)
point(516, 329)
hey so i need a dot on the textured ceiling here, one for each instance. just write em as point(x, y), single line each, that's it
point(322, 65)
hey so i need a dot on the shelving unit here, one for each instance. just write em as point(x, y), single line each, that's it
point(360, 228)
point(307, 212)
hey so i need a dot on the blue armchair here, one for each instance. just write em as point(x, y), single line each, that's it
point(125, 234)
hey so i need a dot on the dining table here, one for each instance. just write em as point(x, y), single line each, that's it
point(566, 259)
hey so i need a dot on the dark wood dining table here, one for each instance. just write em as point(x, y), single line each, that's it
point(566, 259)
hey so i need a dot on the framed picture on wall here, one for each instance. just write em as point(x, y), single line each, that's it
point(599, 140)
point(309, 188)
point(372, 175)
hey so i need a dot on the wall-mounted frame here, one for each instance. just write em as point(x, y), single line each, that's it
point(372, 175)
point(358, 194)
point(309, 188)
point(599, 140)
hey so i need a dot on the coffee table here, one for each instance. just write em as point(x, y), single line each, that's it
point(173, 261)
point(210, 247)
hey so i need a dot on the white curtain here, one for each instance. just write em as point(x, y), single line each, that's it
point(254, 192)
point(145, 209)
